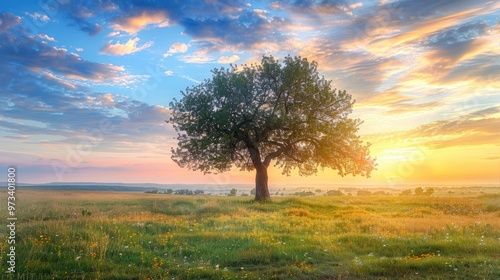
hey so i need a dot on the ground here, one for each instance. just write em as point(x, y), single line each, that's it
point(110, 235)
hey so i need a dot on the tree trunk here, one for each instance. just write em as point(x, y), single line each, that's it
point(261, 188)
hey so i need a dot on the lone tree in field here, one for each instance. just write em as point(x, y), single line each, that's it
point(283, 113)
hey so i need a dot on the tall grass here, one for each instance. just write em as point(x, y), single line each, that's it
point(79, 235)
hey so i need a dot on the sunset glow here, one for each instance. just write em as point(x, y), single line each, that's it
point(85, 88)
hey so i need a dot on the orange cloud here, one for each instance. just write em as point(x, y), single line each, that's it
point(474, 129)
point(176, 48)
point(382, 33)
point(397, 103)
point(135, 24)
point(437, 64)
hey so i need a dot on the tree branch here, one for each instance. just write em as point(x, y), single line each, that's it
point(275, 154)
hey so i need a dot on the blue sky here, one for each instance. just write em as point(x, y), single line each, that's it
point(85, 85)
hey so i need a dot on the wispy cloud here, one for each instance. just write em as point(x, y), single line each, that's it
point(197, 57)
point(474, 129)
point(228, 59)
point(39, 16)
point(122, 49)
point(190, 79)
point(113, 34)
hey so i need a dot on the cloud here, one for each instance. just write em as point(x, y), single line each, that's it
point(229, 23)
point(113, 34)
point(31, 55)
point(437, 63)
point(190, 79)
point(356, 5)
point(244, 31)
point(458, 55)
point(261, 13)
point(38, 17)
point(46, 37)
point(122, 49)
point(321, 12)
point(176, 48)
point(311, 7)
point(25, 54)
point(89, 28)
point(474, 129)
point(228, 59)
point(79, 49)
point(197, 57)
point(8, 20)
point(169, 72)
point(134, 23)
point(58, 81)
point(456, 34)
point(395, 25)
point(82, 13)
point(47, 110)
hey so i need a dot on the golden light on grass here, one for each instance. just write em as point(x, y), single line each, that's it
point(151, 235)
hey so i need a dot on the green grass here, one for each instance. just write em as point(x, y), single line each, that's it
point(79, 235)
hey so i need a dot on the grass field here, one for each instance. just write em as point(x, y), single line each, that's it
point(92, 235)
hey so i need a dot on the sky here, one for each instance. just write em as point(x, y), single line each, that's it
point(85, 86)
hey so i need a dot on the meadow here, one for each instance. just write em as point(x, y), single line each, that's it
point(110, 235)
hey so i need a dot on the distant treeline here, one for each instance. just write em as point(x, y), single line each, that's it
point(181, 191)
point(417, 191)
point(101, 188)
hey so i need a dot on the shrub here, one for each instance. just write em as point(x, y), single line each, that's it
point(334, 193)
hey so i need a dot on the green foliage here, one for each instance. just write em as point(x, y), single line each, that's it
point(86, 213)
point(198, 192)
point(304, 193)
point(232, 192)
point(283, 112)
point(188, 192)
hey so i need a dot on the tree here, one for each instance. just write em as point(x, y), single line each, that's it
point(419, 191)
point(334, 193)
point(272, 112)
point(429, 191)
point(406, 192)
point(232, 192)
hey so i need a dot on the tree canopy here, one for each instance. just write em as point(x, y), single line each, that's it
point(285, 113)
